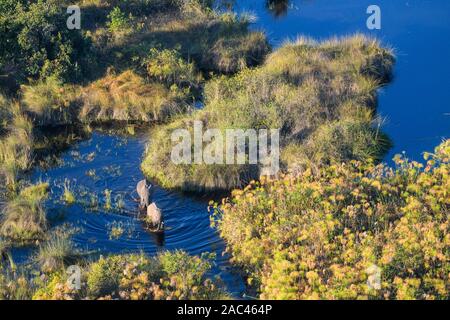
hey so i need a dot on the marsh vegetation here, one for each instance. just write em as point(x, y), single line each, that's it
point(169, 275)
point(321, 95)
point(316, 235)
point(312, 232)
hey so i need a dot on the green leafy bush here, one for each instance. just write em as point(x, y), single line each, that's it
point(168, 66)
point(119, 21)
point(38, 43)
point(104, 275)
point(170, 275)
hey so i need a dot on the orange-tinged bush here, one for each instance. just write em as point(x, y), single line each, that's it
point(316, 236)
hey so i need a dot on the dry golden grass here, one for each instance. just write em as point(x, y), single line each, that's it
point(128, 97)
point(50, 103)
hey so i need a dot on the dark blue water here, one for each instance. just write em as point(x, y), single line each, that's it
point(111, 162)
point(416, 105)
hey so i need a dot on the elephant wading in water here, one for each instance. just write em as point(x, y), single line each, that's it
point(154, 217)
point(153, 213)
point(145, 192)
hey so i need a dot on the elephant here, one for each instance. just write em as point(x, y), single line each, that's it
point(145, 192)
point(154, 216)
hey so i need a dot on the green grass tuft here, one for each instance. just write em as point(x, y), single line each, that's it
point(58, 251)
point(23, 219)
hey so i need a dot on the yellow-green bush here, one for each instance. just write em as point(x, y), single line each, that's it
point(319, 95)
point(170, 275)
point(104, 275)
point(169, 67)
point(54, 287)
point(316, 235)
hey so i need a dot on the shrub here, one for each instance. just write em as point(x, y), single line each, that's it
point(187, 275)
point(202, 36)
point(168, 276)
point(55, 287)
point(23, 218)
point(169, 67)
point(104, 275)
point(135, 7)
point(319, 95)
point(38, 43)
point(119, 21)
point(317, 236)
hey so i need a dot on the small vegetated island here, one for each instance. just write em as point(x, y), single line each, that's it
point(334, 219)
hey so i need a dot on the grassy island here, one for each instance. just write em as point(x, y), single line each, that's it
point(322, 96)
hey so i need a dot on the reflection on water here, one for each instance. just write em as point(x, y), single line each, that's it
point(278, 8)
